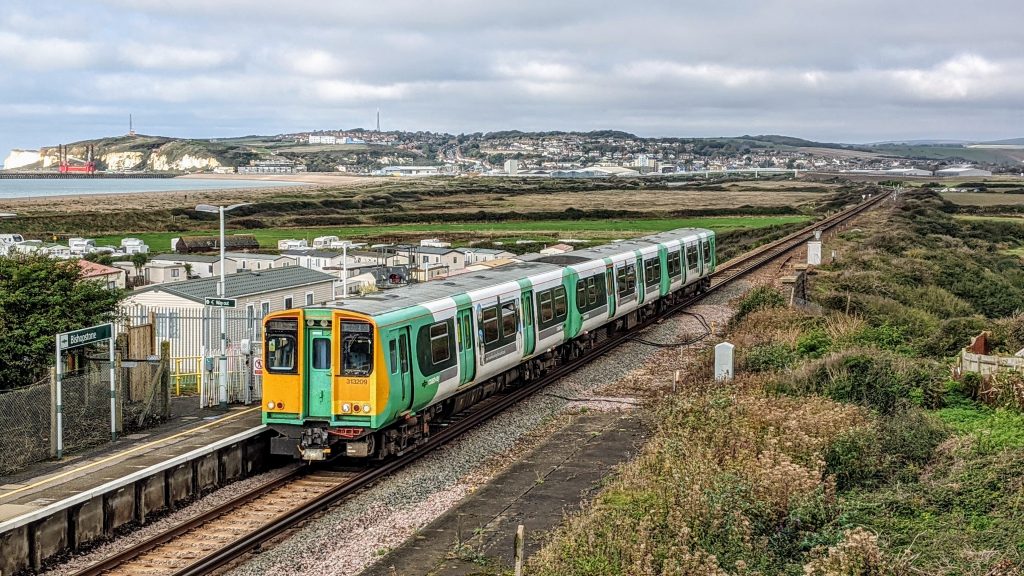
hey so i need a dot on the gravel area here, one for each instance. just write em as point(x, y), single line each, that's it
point(205, 504)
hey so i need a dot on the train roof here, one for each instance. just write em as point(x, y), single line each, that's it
point(522, 267)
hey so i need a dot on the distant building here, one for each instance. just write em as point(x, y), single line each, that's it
point(254, 261)
point(511, 167)
point(275, 166)
point(134, 246)
point(409, 171)
point(318, 260)
point(557, 249)
point(477, 255)
point(201, 265)
point(436, 243)
point(292, 244)
point(962, 171)
point(236, 242)
point(111, 278)
point(433, 257)
point(322, 139)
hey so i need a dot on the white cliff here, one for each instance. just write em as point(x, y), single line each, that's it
point(21, 158)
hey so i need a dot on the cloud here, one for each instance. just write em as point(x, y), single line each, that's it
point(866, 70)
point(164, 57)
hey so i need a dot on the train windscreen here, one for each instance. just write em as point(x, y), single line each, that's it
point(281, 345)
point(356, 349)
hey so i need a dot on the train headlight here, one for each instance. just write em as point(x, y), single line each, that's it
point(366, 407)
point(270, 405)
point(346, 407)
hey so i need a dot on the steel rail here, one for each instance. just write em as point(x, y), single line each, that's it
point(468, 420)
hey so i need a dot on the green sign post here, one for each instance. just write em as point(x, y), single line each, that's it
point(76, 339)
point(221, 302)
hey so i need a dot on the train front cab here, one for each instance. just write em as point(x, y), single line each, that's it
point(319, 384)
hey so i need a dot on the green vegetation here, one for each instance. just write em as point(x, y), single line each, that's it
point(40, 297)
point(842, 446)
point(540, 230)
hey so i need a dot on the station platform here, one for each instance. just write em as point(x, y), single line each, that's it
point(57, 506)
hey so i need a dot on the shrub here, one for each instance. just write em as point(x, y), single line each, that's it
point(813, 344)
point(853, 459)
point(760, 298)
point(768, 357)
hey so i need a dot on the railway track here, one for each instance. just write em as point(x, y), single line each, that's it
point(215, 538)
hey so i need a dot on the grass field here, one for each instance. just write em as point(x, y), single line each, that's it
point(596, 230)
point(983, 198)
point(1014, 219)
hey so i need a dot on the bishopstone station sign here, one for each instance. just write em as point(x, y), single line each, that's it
point(68, 340)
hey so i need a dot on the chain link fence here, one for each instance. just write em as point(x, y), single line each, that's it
point(25, 435)
point(28, 415)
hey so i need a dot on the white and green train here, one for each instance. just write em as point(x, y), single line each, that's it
point(367, 377)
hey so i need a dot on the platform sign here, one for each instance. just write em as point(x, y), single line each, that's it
point(221, 302)
point(257, 366)
point(76, 339)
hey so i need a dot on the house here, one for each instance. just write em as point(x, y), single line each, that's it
point(292, 244)
point(381, 258)
point(557, 249)
point(82, 246)
point(199, 265)
point(111, 278)
point(153, 273)
point(260, 292)
point(430, 256)
point(253, 261)
point(190, 244)
point(477, 255)
point(183, 319)
point(134, 246)
point(9, 240)
point(318, 260)
point(436, 243)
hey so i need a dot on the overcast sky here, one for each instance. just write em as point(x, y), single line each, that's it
point(833, 70)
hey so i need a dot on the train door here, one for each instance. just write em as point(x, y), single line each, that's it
point(700, 259)
point(641, 281)
point(609, 279)
point(529, 332)
point(467, 351)
point(405, 368)
point(318, 368)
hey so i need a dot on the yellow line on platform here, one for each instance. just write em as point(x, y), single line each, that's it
point(129, 451)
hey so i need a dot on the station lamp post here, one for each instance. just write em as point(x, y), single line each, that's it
point(221, 288)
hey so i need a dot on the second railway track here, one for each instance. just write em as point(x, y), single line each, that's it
point(215, 538)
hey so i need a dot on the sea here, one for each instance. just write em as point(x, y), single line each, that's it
point(43, 187)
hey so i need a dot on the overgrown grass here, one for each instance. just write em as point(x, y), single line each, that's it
point(843, 448)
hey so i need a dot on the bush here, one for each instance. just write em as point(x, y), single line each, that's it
point(813, 344)
point(768, 357)
point(760, 298)
point(853, 459)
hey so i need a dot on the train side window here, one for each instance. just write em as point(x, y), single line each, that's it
point(547, 306)
point(581, 294)
point(489, 320)
point(440, 342)
point(627, 280)
point(591, 291)
point(673, 264)
point(706, 248)
point(393, 353)
point(652, 271)
point(508, 319)
point(403, 353)
point(691, 257)
point(435, 348)
point(560, 307)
